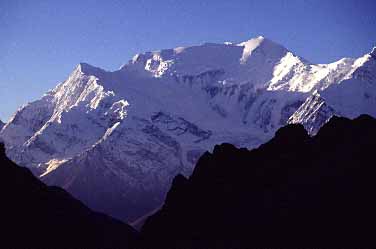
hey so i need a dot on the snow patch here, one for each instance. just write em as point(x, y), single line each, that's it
point(249, 46)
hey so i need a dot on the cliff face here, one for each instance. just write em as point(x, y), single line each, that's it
point(294, 191)
point(34, 215)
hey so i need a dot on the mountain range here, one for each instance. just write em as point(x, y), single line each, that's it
point(115, 140)
point(294, 191)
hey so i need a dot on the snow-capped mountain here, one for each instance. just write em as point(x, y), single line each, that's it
point(116, 139)
point(351, 96)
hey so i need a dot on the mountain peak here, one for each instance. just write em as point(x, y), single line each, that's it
point(88, 69)
point(261, 43)
point(255, 40)
point(258, 38)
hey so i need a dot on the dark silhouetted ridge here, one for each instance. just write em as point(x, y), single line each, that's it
point(34, 215)
point(295, 191)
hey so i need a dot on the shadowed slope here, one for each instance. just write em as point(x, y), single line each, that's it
point(294, 191)
point(36, 216)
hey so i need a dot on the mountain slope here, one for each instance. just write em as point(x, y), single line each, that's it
point(36, 216)
point(116, 139)
point(1, 125)
point(351, 97)
point(295, 191)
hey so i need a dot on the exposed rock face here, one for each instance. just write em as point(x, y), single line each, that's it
point(313, 113)
point(295, 191)
point(36, 216)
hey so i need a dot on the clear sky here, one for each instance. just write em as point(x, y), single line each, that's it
point(42, 41)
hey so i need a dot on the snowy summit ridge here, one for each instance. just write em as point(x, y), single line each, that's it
point(116, 139)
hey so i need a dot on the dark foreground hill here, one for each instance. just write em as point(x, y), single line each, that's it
point(294, 191)
point(33, 215)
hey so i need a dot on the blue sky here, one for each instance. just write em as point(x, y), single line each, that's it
point(42, 41)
